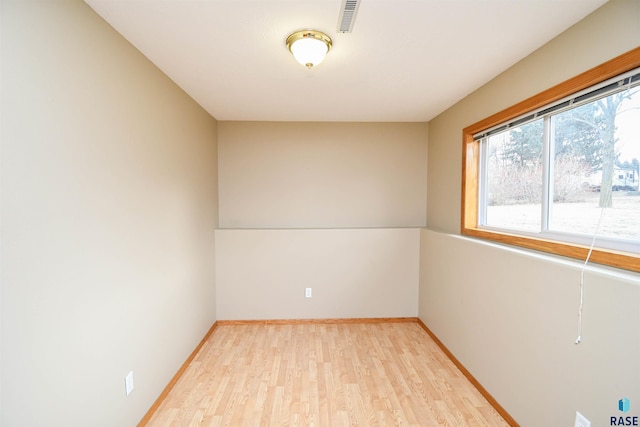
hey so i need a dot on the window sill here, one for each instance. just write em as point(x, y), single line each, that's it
point(623, 260)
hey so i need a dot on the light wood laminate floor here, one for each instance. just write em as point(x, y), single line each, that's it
point(325, 375)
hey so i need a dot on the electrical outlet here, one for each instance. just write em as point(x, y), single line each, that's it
point(307, 292)
point(581, 420)
point(128, 383)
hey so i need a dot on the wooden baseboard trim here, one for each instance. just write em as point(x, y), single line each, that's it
point(508, 418)
point(143, 422)
point(319, 321)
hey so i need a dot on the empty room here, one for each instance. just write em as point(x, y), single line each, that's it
point(431, 219)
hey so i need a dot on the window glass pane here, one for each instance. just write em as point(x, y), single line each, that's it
point(596, 154)
point(513, 178)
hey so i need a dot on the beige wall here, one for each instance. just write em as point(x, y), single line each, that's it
point(322, 175)
point(108, 184)
point(319, 205)
point(262, 274)
point(510, 317)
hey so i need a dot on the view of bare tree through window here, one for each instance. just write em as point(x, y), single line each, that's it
point(514, 178)
point(556, 173)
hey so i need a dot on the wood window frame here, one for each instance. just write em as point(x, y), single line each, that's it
point(471, 168)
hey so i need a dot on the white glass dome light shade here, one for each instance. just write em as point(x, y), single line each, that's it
point(309, 47)
point(309, 51)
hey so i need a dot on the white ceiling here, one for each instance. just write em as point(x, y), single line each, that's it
point(406, 60)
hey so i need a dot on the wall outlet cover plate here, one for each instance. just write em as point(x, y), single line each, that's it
point(128, 383)
point(581, 420)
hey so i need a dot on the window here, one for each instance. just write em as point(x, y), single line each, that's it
point(557, 169)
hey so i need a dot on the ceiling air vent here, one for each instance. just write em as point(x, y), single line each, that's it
point(348, 12)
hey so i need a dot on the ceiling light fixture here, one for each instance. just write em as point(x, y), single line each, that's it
point(309, 47)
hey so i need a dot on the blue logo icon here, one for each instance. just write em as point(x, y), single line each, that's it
point(624, 405)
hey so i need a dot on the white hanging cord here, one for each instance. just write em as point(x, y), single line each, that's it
point(584, 266)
